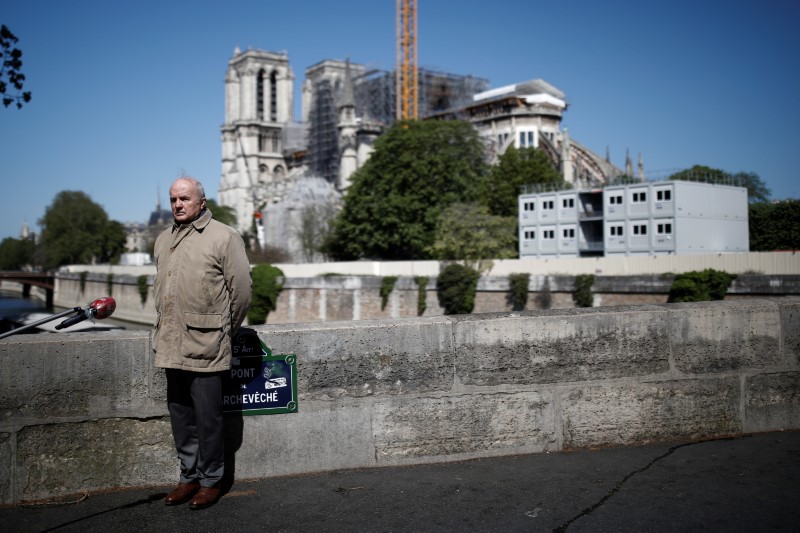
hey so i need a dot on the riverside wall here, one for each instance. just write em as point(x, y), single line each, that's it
point(348, 297)
point(86, 411)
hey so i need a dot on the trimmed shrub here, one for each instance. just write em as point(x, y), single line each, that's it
point(545, 298)
point(455, 289)
point(583, 296)
point(267, 286)
point(144, 288)
point(422, 295)
point(702, 286)
point(518, 284)
point(387, 286)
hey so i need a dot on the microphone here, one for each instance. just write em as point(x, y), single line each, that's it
point(100, 308)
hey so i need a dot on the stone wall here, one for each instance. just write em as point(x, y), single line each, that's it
point(335, 298)
point(86, 411)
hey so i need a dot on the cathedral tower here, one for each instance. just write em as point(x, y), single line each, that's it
point(258, 108)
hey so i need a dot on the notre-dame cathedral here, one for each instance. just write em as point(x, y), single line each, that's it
point(278, 173)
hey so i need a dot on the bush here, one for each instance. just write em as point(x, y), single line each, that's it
point(83, 280)
point(267, 286)
point(422, 295)
point(387, 286)
point(455, 288)
point(144, 288)
point(583, 296)
point(702, 286)
point(518, 284)
point(545, 298)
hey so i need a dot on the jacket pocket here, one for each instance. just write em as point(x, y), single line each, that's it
point(203, 336)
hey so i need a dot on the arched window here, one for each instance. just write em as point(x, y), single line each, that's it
point(273, 96)
point(275, 144)
point(260, 94)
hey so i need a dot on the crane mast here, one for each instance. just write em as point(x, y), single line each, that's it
point(406, 74)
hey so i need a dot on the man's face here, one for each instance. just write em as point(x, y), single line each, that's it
point(185, 202)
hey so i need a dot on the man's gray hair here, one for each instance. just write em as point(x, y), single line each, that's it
point(199, 186)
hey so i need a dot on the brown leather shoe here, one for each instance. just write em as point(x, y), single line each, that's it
point(182, 494)
point(206, 497)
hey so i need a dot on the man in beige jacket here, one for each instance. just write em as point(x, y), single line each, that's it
point(202, 291)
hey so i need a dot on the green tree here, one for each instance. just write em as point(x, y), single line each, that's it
point(267, 286)
point(10, 70)
point(468, 233)
point(75, 230)
point(516, 168)
point(455, 288)
point(417, 169)
point(774, 226)
point(757, 190)
point(16, 253)
point(222, 213)
point(113, 242)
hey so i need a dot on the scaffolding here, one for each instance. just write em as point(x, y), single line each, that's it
point(375, 100)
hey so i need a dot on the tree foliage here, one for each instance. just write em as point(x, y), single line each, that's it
point(757, 190)
point(774, 226)
point(267, 286)
point(455, 288)
point(16, 253)
point(702, 286)
point(468, 233)
point(222, 213)
point(516, 168)
point(75, 230)
point(10, 70)
point(416, 170)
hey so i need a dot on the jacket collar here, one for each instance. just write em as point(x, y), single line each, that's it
point(199, 223)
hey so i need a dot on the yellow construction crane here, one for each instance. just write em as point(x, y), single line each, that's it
point(406, 73)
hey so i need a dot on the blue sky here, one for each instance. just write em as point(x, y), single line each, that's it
point(128, 95)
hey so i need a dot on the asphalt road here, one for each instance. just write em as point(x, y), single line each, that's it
point(749, 483)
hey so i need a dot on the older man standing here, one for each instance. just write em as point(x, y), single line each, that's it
point(202, 292)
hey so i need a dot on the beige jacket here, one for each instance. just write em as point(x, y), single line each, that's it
point(202, 291)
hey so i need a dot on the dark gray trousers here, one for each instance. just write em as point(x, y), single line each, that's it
point(194, 400)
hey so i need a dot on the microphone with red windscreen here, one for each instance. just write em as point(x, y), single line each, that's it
point(99, 309)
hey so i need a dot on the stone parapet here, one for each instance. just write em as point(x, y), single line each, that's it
point(86, 411)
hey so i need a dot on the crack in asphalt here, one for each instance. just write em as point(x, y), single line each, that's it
point(589, 510)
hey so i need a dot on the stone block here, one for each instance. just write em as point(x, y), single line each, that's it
point(74, 374)
point(721, 336)
point(790, 327)
point(475, 425)
point(772, 402)
point(59, 459)
point(569, 345)
point(320, 436)
point(629, 414)
point(370, 357)
point(6, 460)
